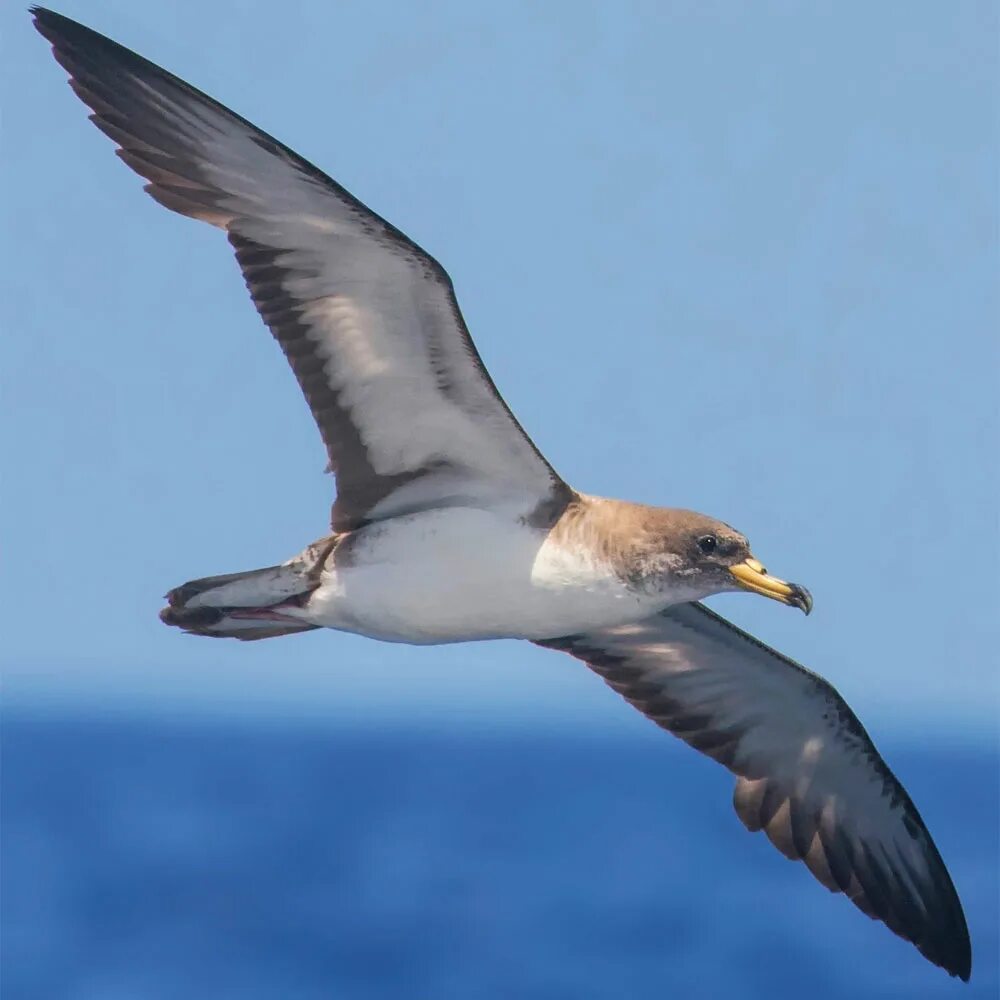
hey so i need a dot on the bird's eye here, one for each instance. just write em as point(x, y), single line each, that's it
point(708, 544)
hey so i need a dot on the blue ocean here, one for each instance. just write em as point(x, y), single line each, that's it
point(150, 859)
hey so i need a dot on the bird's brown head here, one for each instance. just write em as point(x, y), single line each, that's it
point(692, 552)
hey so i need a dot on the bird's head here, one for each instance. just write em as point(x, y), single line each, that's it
point(701, 555)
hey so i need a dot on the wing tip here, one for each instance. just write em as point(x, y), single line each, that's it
point(48, 22)
point(956, 961)
point(941, 936)
point(45, 22)
point(951, 947)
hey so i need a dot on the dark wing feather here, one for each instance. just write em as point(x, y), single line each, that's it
point(807, 773)
point(368, 321)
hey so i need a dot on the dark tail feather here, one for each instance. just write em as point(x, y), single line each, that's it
point(243, 606)
point(218, 623)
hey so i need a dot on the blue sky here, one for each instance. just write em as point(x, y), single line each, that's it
point(738, 258)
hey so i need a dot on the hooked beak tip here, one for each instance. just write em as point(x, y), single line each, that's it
point(800, 598)
point(751, 575)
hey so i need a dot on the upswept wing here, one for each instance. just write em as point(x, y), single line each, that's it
point(368, 321)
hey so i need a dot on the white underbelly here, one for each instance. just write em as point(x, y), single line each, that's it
point(459, 574)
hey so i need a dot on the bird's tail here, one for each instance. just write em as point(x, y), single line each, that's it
point(256, 604)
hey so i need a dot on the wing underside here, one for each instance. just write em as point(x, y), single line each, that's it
point(368, 321)
point(807, 773)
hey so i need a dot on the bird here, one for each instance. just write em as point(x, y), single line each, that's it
point(449, 525)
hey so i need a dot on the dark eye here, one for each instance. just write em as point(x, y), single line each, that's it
point(708, 544)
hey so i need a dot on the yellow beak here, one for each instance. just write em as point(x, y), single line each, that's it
point(751, 575)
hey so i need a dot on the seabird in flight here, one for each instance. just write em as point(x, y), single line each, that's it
point(449, 525)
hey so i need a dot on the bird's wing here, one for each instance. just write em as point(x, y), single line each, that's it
point(368, 321)
point(807, 772)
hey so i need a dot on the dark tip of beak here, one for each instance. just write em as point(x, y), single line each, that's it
point(800, 598)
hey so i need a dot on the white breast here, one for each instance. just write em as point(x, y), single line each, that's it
point(459, 574)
